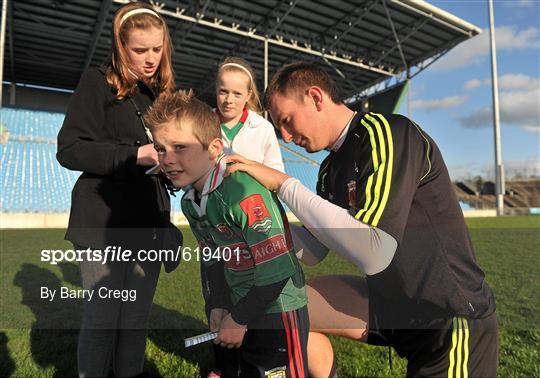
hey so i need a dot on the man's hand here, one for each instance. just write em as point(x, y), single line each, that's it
point(231, 334)
point(270, 178)
point(216, 317)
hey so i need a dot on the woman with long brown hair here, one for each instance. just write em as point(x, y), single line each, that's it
point(117, 204)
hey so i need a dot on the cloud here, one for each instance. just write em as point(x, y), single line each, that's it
point(520, 3)
point(518, 81)
point(532, 129)
point(459, 172)
point(530, 163)
point(473, 84)
point(520, 168)
point(480, 117)
point(517, 108)
point(507, 82)
point(444, 103)
point(416, 89)
point(525, 168)
point(514, 168)
point(475, 50)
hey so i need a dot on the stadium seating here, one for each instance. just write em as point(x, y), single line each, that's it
point(32, 181)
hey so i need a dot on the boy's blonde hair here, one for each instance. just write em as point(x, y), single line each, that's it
point(183, 107)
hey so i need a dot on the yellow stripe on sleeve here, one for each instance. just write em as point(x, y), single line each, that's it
point(375, 169)
point(459, 349)
point(454, 344)
point(380, 181)
point(388, 174)
point(379, 172)
point(465, 348)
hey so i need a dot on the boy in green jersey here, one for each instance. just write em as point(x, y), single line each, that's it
point(252, 282)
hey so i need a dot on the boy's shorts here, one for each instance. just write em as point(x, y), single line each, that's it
point(275, 346)
point(457, 347)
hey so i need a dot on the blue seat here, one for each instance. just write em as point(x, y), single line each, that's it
point(31, 180)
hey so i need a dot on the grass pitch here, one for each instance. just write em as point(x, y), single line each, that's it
point(39, 339)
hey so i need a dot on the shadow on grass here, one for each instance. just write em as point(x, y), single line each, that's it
point(71, 273)
point(54, 333)
point(7, 365)
point(174, 327)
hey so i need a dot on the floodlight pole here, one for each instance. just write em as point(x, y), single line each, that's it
point(2, 44)
point(409, 94)
point(265, 63)
point(499, 168)
point(265, 70)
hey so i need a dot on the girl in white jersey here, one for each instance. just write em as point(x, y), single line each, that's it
point(243, 130)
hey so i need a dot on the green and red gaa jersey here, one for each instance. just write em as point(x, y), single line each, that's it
point(244, 226)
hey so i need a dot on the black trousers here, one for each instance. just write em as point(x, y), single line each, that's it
point(113, 331)
point(274, 346)
point(455, 347)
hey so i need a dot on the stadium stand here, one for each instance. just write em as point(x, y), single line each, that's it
point(464, 206)
point(471, 198)
point(523, 193)
point(466, 188)
point(32, 181)
point(519, 194)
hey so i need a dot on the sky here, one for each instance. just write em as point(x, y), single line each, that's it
point(452, 98)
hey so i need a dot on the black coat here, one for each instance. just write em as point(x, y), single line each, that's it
point(100, 137)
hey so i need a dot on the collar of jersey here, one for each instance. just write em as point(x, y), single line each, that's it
point(246, 119)
point(343, 135)
point(214, 179)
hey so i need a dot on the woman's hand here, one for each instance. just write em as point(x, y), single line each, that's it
point(270, 178)
point(147, 155)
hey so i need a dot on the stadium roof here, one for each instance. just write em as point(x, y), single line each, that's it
point(363, 43)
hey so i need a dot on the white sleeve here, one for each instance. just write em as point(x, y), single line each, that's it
point(368, 247)
point(272, 152)
point(307, 248)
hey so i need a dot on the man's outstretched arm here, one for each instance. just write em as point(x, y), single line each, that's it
point(368, 247)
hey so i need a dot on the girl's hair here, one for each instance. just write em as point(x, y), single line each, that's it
point(231, 64)
point(118, 73)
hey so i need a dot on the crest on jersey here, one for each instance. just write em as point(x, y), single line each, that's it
point(258, 216)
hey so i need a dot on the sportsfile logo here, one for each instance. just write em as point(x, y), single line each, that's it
point(119, 254)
